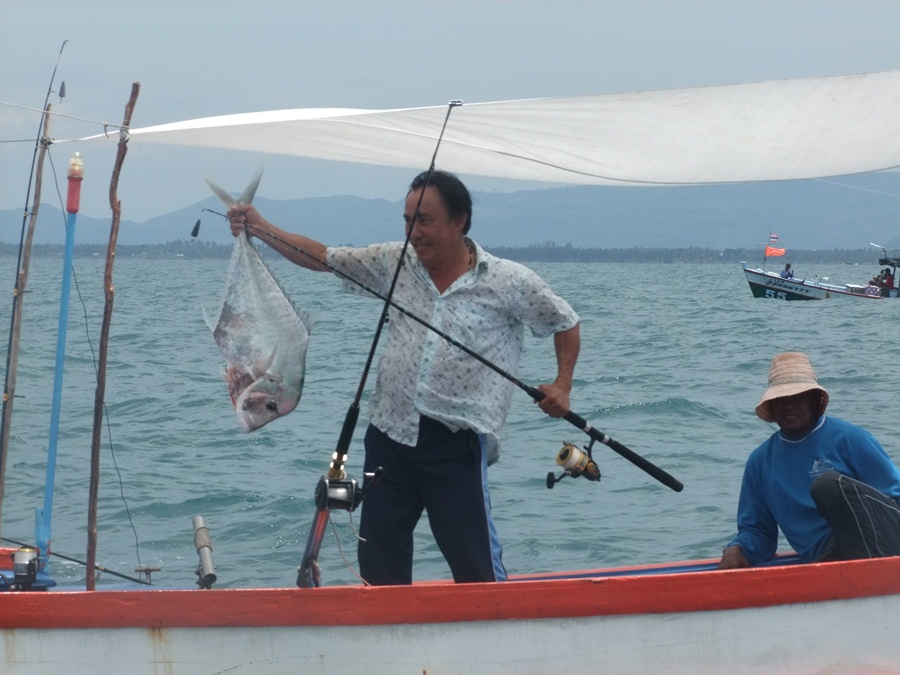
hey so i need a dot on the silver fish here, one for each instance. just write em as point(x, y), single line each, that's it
point(260, 332)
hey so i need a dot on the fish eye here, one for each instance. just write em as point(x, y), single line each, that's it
point(272, 406)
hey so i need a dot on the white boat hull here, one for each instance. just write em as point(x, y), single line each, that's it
point(796, 619)
point(770, 285)
point(846, 637)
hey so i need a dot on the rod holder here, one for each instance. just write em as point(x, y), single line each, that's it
point(206, 575)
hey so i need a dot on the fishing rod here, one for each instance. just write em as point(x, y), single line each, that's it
point(334, 490)
point(96, 567)
point(42, 143)
point(537, 395)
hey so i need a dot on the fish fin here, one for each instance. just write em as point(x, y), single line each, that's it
point(211, 324)
point(309, 319)
point(246, 197)
point(221, 194)
point(250, 190)
point(263, 365)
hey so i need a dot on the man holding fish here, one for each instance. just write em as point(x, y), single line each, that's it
point(436, 414)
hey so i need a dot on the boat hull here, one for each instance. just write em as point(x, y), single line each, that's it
point(821, 618)
point(770, 285)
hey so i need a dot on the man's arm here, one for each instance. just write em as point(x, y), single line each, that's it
point(556, 395)
point(287, 244)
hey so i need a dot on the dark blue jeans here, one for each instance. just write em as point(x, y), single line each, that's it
point(445, 474)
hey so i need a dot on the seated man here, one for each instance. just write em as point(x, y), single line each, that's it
point(826, 483)
point(787, 272)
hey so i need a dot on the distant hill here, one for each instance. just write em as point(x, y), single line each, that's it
point(546, 252)
point(845, 212)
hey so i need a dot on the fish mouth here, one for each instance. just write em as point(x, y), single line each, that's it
point(246, 424)
point(265, 400)
point(257, 408)
point(252, 419)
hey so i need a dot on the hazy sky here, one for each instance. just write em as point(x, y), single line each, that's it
point(196, 58)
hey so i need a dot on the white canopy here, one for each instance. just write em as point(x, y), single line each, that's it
point(777, 130)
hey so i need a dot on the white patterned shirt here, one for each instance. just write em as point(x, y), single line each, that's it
point(486, 309)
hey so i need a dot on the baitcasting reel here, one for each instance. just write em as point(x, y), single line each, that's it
point(575, 463)
point(343, 494)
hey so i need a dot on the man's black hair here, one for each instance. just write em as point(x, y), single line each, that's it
point(452, 190)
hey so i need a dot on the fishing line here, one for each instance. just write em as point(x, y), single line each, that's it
point(857, 187)
point(98, 568)
point(437, 331)
point(337, 540)
point(105, 125)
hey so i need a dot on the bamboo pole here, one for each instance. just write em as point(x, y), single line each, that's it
point(12, 356)
point(104, 337)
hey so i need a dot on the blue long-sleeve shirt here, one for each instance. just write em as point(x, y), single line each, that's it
point(777, 478)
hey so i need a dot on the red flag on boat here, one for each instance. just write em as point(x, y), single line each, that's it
point(774, 251)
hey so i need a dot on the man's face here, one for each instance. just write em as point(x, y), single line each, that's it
point(797, 415)
point(436, 237)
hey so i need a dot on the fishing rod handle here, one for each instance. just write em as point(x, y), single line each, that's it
point(308, 573)
point(336, 469)
point(660, 475)
point(578, 421)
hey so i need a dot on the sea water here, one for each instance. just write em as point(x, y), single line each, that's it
point(673, 361)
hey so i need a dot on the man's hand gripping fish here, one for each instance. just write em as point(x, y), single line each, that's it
point(259, 332)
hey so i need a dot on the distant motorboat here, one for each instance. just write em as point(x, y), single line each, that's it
point(764, 284)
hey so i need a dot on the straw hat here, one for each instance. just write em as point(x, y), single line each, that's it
point(790, 373)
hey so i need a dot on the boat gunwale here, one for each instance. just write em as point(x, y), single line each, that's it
point(443, 602)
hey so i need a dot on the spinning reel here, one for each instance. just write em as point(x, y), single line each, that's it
point(575, 463)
